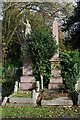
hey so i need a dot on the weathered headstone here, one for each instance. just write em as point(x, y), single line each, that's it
point(56, 79)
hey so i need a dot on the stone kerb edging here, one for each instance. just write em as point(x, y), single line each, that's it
point(21, 100)
point(4, 101)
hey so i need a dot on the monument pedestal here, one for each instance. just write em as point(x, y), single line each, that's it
point(56, 79)
point(27, 80)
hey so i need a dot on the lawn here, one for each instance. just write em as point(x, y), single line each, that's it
point(39, 112)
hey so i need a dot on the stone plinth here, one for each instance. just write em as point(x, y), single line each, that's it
point(26, 79)
point(27, 86)
point(56, 79)
point(54, 86)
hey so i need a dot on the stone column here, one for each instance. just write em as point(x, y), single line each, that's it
point(55, 31)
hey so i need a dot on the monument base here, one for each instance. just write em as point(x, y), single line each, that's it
point(55, 83)
point(56, 79)
point(54, 86)
point(27, 83)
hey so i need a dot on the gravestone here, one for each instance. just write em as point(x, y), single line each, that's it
point(56, 79)
point(27, 80)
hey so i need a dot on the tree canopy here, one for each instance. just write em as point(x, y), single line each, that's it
point(13, 28)
point(72, 27)
point(34, 11)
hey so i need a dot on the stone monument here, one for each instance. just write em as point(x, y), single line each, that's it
point(56, 79)
point(27, 80)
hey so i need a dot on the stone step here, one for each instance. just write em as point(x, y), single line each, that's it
point(56, 80)
point(27, 79)
point(20, 105)
point(20, 100)
point(58, 101)
point(27, 86)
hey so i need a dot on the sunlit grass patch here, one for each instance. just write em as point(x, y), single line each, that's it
point(49, 112)
point(22, 94)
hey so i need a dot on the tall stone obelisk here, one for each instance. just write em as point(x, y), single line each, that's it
point(55, 31)
point(56, 79)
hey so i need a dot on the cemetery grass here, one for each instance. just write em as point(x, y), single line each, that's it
point(22, 94)
point(39, 112)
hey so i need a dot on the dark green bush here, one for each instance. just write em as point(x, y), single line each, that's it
point(70, 67)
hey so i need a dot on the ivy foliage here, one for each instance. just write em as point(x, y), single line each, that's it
point(41, 46)
point(70, 68)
